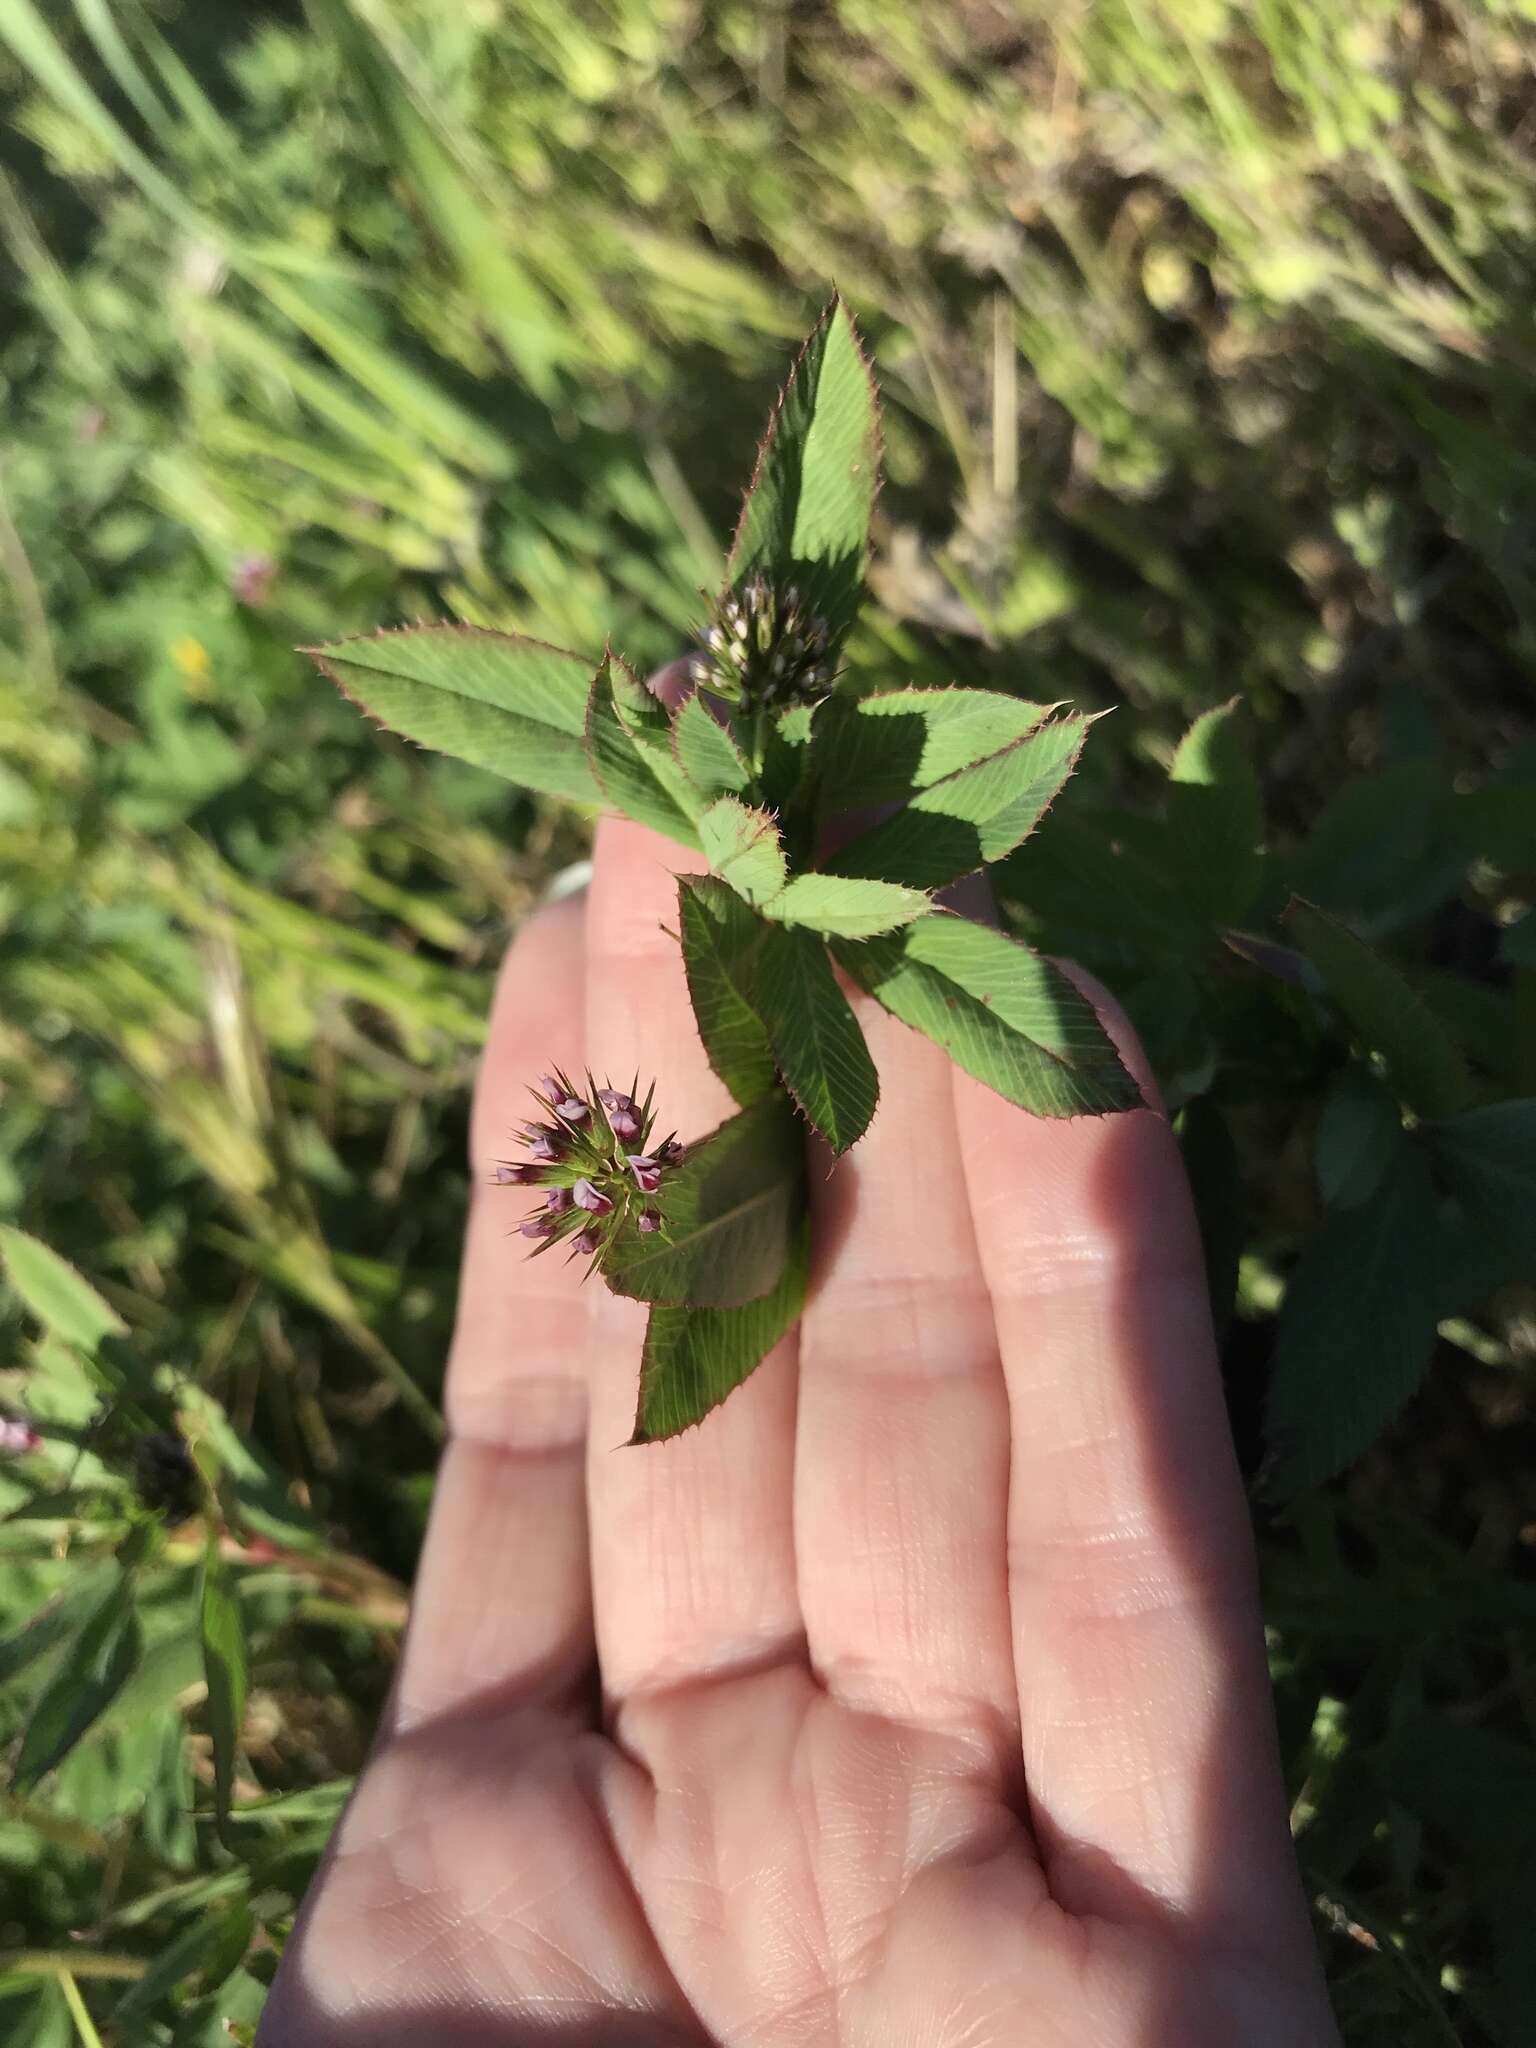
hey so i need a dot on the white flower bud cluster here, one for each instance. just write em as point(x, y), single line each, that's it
point(764, 649)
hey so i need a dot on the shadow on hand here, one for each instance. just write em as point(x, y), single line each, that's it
point(298, 2023)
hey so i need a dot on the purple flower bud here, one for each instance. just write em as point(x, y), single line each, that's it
point(558, 1200)
point(542, 1145)
point(648, 1222)
point(573, 1109)
point(592, 1199)
point(551, 1087)
point(538, 1226)
point(625, 1124)
point(17, 1437)
point(670, 1154)
point(647, 1173)
point(518, 1176)
point(585, 1240)
point(610, 1098)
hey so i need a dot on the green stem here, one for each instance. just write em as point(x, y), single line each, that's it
point(85, 2026)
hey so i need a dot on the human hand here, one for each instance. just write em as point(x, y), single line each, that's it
point(918, 1697)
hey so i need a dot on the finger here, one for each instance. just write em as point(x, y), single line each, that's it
point(502, 1611)
point(1143, 1692)
point(692, 1551)
point(901, 1474)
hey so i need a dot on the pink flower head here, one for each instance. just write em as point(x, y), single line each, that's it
point(647, 1172)
point(648, 1222)
point(590, 1198)
point(17, 1437)
point(585, 1240)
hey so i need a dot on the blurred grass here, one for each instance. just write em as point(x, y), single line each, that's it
point(1206, 337)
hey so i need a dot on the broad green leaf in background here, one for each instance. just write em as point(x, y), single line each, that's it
point(1478, 1788)
point(694, 1357)
point(98, 1664)
point(513, 706)
point(57, 1618)
point(743, 847)
point(706, 753)
point(625, 776)
point(1488, 1155)
point(717, 929)
point(1356, 1330)
point(806, 517)
point(61, 1299)
point(1005, 1014)
point(782, 981)
point(225, 1667)
point(1423, 1060)
point(1359, 1136)
point(1215, 815)
point(1101, 885)
point(846, 906)
point(731, 1213)
point(873, 750)
point(977, 814)
point(210, 1946)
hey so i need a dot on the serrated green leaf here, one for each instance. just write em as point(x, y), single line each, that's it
point(1356, 1330)
point(1215, 815)
point(976, 815)
point(694, 1357)
point(1425, 1063)
point(734, 1035)
point(623, 775)
point(1359, 1136)
point(706, 753)
point(874, 750)
point(99, 1663)
point(743, 848)
point(649, 725)
point(1001, 1012)
point(509, 705)
point(784, 983)
point(845, 906)
point(730, 1213)
point(1488, 1156)
point(225, 1667)
point(806, 516)
point(63, 1300)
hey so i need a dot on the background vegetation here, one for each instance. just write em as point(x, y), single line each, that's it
point(1206, 342)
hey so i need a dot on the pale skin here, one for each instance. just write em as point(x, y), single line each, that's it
point(918, 1699)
